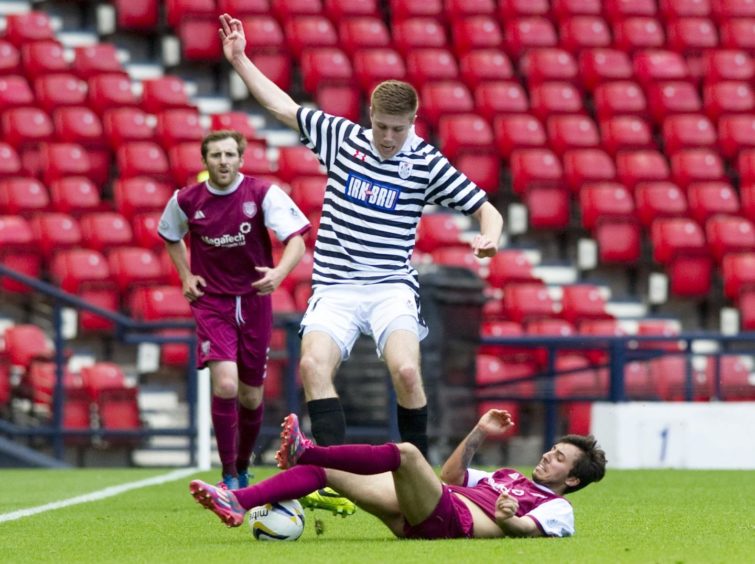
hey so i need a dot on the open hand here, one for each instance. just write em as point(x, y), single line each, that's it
point(232, 35)
point(496, 422)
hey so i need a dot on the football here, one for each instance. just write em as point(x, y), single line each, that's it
point(282, 521)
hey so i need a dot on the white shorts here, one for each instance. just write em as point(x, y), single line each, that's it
point(344, 311)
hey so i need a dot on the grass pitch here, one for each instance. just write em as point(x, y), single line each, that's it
point(631, 516)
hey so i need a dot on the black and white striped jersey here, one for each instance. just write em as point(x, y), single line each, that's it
point(372, 206)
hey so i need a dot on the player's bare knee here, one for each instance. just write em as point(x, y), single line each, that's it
point(225, 388)
point(409, 379)
point(410, 454)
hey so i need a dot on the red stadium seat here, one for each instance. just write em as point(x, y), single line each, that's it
point(178, 10)
point(733, 374)
point(430, 64)
point(186, 162)
point(418, 33)
point(363, 32)
point(582, 166)
point(728, 97)
point(658, 199)
point(549, 328)
point(619, 241)
point(159, 303)
point(604, 201)
point(584, 32)
point(617, 10)
point(482, 65)
point(738, 34)
point(163, 93)
point(673, 9)
point(10, 58)
point(55, 90)
point(738, 274)
point(124, 125)
point(343, 100)
point(102, 376)
point(233, 120)
point(16, 246)
point(139, 195)
point(519, 131)
point(437, 231)
point(79, 124)
point(729, 234)
point(727, 65)
point(144, 226)
point(484, 169)
point(696, 165)
point(636, 33)
point(463, 8)
point(746, 166)
point(372, 66)
point(75, 270)
point(564, 9)
point(403, 9)
point(672, 97)
point(27, 27)
point(503, 329)
point(91, 60)
point(199, 40)
point(493, 373)
point(692, 35)
point(528, 301)
point(74, 195)
point(303, 32)
point(142, 158)
point(508, 9)
point(475, 32)
point(15, 91)
point(178, 126)
point(641, 166)
point(600, 327)
point(110, 91)
point(555, 98)
point(43, 57)
point(255, 159)
point(338, 9)
point(308, 192)
point(534, 167)
point(286, 9)
point(658, 65)
point(688, 131)
point(443, 98)
point(548, 207)
point(102, 231)
point(264, 34)
point(464, 133)
point(735, 133)
point(675, 236)
point(600, 65)
point(568, 132)
point(747, 195)
point(325, 65)
point(60, 160)
point(619, 98)
point(456, 256)
point(119, 411)
point(707, 199)
point(25, 344)
point(133, 266)
point(575, 377)
point(297, 161)
point(549, 64)
point(510, 266)
point(55, 231)
point(523, 34)
point(10, 162)
point(500, 98)
point(622, 133)
point(138, 15)
point(22, 196)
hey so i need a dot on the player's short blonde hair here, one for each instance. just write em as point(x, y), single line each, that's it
point(224, 134)
point(394, 97)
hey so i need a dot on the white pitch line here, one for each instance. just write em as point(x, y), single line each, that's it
point(98, 495)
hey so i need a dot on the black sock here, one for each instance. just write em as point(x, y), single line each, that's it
point(328, 421)
point(412, 425)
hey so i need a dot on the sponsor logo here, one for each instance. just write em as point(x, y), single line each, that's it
point(229, 240)
point(199, 214)
point(371, 194)
point(360, 155)
point(405, 169)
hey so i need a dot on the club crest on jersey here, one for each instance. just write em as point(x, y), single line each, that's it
point(249, 209)
point(371, 194)
point(405, 169)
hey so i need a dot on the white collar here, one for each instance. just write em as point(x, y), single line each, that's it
point(411, 139)
point(230, 190)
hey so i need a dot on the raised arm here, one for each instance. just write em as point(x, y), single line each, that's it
point(494, 422)
point(264, 90)
point(491, 224)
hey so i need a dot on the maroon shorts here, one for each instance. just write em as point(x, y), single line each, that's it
point(450, 519)
point(237, 329)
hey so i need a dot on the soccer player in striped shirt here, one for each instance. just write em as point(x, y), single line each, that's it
point(379, 180)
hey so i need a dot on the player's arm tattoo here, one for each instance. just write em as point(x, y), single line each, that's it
point(475, 438)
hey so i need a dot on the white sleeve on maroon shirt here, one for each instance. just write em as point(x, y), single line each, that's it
point(173, 224)
point(555, 518)
point(473, 476)
point(282, 215)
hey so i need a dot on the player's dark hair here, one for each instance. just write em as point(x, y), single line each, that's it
point(395, 97)
point(591, 466)
point(224, 134)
